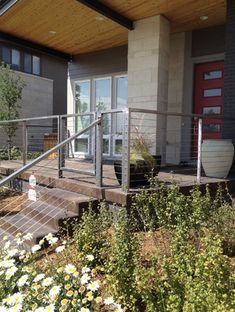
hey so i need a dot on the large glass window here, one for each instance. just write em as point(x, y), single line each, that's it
point(101, 94)
point(27, 63)
point(82, 106)
point(6, 55)
point(15, 59)
point(36, 65)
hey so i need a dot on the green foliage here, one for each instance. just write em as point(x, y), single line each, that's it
point(222, 222)
point(91, 233)
point(11, 86)
point(14, 152)
point(164, 205)
point(122, 263)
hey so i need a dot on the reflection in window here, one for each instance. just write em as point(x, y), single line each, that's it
point(212, 92)
point(103, 100)
point(27, 63)
point(36, 65)
point(82, 104)
point(15, 59)
point(105, 146)
point(213, 110)
point(81, 145)
point(121, 100)
point(118, 146)
point(6, 55)
point(211, 128)
point(216, 74)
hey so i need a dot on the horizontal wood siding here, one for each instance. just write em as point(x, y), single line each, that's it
point(99, 63)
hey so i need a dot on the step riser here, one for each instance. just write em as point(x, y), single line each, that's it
point(40, 217)
point(59, 202)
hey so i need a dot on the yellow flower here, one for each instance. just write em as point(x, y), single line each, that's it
point(89, 294)
point(64, 302)
point(35, 286)
point(69, 293)
point(67, 286)
point(84, 300)
point(59, 270)
point(34, 306)
point(67, 277)
point(75, 293)
point(75, 274)
point(74, 302)
point(98, 300)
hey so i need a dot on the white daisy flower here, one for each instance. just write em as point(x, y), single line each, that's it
point(3, 309)
point(7, 245)
point(10, 272)
point(84, 310)
point(93, 286)
point(109, 300)
point(85, 279)
point(28, 236)
point(90, 257)
point(40, 309)
point(22, 281)
point(35, 248)
point(60, 249)
point(54, 291)
point(15, 308)
point(39, 277)
point(13, 252)
point(85, 270)
point(18, 298)
point(117, 307)
point(70, 269)
point(49, 236)
point(47, 281)
point(50, 308)
point(7, 263)
point(53, 240)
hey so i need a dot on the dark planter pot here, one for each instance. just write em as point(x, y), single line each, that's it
point(139, 172)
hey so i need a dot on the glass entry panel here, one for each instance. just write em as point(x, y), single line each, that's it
point(82, 105)
point(121, 103)
point(103, 103)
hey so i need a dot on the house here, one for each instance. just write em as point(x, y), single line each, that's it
point(171, 56)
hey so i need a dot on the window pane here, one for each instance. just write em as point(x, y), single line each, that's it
point(81, 145)
point(118, 146)
point(212, 92)
point(213, 110)
point(211, 128)
point(103, 100)
point(15, 59)
point(121, 100)
point(27, 63)
point(106, 146)
point(82, 104)
point(216, 74)
point(6, 55)
point(36, 65)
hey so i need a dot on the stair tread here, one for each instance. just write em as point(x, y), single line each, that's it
point(66, 195)
point(47, 209)
point(28, 225)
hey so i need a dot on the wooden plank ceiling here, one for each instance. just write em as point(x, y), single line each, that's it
point(70, 27)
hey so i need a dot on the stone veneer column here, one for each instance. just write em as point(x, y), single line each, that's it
point(148, 58)
point(229, 74)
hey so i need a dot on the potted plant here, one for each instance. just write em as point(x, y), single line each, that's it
point(142, 163)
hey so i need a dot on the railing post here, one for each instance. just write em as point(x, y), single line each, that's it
point(126, 151)
point(25, 142)
point(199, 150)
point(99, 152)
point(61, 160)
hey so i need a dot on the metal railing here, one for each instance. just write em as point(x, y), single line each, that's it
point(174, 138)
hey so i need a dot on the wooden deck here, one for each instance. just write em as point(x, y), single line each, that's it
point(47, 174)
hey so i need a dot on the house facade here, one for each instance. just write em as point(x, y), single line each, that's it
point(167, 56)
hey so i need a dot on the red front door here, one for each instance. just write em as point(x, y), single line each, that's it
point(208, 100)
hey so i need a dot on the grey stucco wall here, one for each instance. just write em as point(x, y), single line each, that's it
point(57, 70)
point(98, 63)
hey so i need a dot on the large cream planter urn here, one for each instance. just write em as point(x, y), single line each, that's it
point(217, 157)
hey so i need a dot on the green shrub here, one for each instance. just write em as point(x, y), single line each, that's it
point(91, 233)
point(122, 263)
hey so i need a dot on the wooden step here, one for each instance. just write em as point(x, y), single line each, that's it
point(66, 200)
point(20, 223)
point(46, 213)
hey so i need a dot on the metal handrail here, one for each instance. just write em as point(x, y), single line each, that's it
point(47, 153)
